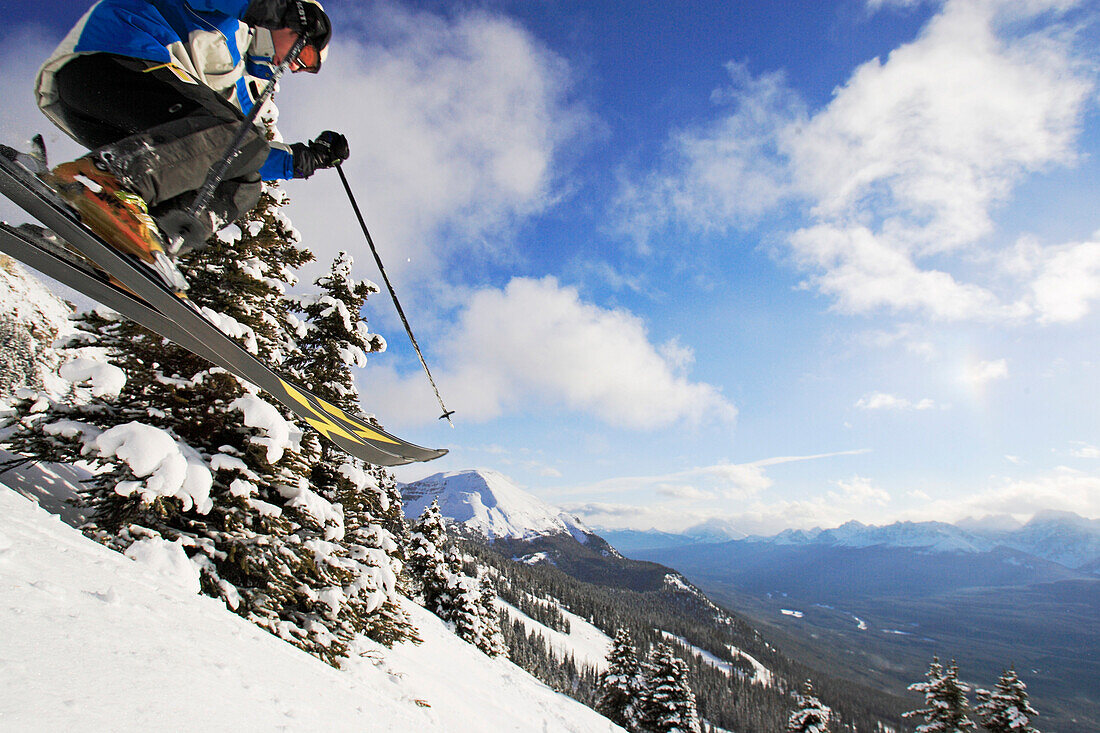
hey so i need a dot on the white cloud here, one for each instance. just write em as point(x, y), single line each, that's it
point(981, 373)
point(860, 490)
point(457, 126)
point(719, 176)
point(1062, 489)
point(1068, 283)
point(1084, 450)
point(929, 139)
point(862, 499)
point(910, 157)
point(874, 5)
point(737, 481)
point(883, 401)
point(903, 169)
point(857, 497)
point(865, 271)
point(726, 480)
point(537, 345)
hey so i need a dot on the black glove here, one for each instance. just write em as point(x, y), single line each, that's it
point(329, 149)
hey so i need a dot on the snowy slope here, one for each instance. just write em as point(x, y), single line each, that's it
point(761, 674)
point(584, 642)
point(96, 641)
point(488, 503)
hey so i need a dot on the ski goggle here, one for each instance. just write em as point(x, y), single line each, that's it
point(310, 59)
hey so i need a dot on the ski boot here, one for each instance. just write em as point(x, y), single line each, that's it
point(120, 217)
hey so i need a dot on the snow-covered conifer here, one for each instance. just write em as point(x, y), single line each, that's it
point(619, 687)
point(668, 703)
point(811, 716)
point(1006, 709)
point(946, 706)
point(330, 341)
point(491, 639)
point(461, 606)
point(465, 602)
point(427, 559)
point(191, 454)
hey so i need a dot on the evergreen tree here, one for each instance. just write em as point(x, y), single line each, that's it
point(946, 706)
point(619, 687)
point(192, 455)
point(465, 605)
point(1006, 709)
point(668, 702)
point(465, 602)
point(491, 640)
point(461, 604)
point(427, 559)
point(811, 716)
point(332, 340)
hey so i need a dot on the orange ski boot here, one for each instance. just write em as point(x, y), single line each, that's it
point(121, 218)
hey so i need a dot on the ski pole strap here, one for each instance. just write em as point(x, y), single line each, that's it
point(217, 174)
point(393, 294)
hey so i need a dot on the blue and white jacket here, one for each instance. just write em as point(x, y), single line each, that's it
point(202, 41)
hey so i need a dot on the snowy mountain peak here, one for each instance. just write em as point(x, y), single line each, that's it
point(487, 502)
point(715, 530)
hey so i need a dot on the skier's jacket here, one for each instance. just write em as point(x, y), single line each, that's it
point(202, 41)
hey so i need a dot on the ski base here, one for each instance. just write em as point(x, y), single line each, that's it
point(78, 258)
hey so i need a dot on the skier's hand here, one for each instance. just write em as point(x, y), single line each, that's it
point(327, 150)
point(308, 19)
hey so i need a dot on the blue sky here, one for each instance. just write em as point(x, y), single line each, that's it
point(774, 264)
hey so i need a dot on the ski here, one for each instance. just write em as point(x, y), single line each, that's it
point(141, 295)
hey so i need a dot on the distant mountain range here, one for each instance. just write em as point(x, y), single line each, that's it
point(875, 603)
point(870, 603)
point(1064, 538)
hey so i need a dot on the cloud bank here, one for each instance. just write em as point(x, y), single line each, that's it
point(901, 174)
point(455, 123)
point(859, 497)
point(537, 345)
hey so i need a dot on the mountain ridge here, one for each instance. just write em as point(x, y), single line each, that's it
point(487, 502)
point(1065, 538)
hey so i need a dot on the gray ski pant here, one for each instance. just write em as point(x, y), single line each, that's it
point(159, 134)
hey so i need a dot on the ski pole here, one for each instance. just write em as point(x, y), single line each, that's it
point(217, 174)
point(393, 294)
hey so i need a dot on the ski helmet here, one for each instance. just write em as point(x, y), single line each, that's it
point(314, 54)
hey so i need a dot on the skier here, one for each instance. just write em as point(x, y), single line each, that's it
point(158, 90)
